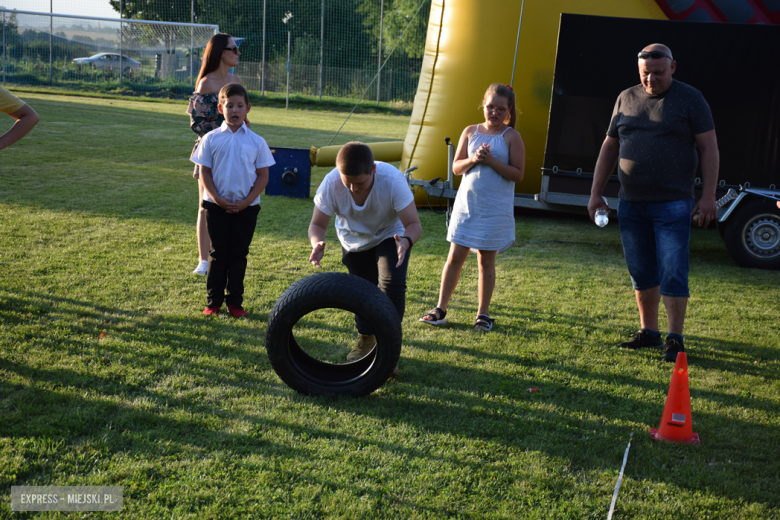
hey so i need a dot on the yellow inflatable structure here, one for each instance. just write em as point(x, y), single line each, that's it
point(471, 44)
point(388, 151)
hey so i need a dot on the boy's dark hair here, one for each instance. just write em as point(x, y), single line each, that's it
point(232, 89)
point(355, 159)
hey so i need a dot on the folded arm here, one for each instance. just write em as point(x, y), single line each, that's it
point(515, 169)
point(257, 188)
point(26, 119)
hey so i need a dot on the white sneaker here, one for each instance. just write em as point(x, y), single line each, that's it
point(202, 268)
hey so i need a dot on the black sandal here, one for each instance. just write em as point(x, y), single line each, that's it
point(438, 314)
point(484, 323)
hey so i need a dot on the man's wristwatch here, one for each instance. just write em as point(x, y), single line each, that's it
point(410, 242)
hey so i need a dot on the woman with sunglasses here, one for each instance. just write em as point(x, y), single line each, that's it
point(491, 159)
point(220, 56)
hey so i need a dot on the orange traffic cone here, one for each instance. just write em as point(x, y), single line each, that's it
point(676, 421)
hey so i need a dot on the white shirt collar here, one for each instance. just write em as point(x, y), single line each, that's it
point(225, 128)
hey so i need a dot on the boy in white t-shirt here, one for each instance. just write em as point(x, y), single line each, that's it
point(376, 223)
point(234, 165)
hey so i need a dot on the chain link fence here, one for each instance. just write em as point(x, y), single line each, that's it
point(99, 53)
point(313, 50)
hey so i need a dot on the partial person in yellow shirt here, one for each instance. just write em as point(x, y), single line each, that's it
point(26, 118)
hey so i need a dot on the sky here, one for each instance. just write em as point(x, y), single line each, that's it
point(98, 8)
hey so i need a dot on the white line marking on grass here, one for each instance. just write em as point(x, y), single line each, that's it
point(620, 479)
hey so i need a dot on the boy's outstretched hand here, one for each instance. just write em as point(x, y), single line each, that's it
point(402, 245)
point(316, 254)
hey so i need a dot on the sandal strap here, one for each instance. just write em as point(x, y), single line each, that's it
point(485, 321)
point(437, 313)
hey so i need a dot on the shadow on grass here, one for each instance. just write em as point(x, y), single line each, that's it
point(147, 384)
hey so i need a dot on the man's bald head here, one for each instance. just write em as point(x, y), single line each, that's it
point(656, 67)
point(659, 47)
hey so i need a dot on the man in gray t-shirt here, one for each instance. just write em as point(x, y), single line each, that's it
point(657, 128)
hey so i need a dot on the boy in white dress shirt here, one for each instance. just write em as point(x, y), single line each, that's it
point(234, 165)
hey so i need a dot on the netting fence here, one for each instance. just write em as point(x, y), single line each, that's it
point(100, 53)
point(318, 49)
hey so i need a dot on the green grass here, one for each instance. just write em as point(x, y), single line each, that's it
point(109, 375)
point(167, 93)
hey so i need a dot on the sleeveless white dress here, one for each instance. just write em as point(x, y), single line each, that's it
point(483, 216)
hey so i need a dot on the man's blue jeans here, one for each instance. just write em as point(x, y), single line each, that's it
point(656, 238)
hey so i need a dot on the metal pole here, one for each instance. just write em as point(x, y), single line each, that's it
point(121, 40)
point(262, 80)
point(379, 61)
point(517, 44)
point(51, 42)
point(322, 46)
point(287, 103)
point(192, 43)
point(4, 48)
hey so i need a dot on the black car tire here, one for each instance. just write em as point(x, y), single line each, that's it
point(752, 234)
point(309, 376)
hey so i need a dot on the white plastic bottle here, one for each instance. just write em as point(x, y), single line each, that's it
point(602, 218)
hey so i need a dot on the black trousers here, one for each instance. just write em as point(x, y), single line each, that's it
point(230, 235)
point(377, 265)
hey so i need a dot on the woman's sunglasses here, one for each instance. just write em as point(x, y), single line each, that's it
point(234, 49)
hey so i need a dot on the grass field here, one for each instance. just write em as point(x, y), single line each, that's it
point(110, 375)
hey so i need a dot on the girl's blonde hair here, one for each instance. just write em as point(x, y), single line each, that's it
point(506, 92)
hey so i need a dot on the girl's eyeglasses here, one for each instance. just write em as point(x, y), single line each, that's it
point(234, 49)
point(497, 110)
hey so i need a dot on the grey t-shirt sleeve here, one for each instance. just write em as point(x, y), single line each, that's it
point(699, 114)
point(612, 131)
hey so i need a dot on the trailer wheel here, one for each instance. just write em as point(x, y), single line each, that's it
point(310, 376)
point(752, 234)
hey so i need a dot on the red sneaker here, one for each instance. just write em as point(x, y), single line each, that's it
point(210, 311)
point(237, 312)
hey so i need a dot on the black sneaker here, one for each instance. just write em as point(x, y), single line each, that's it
point(642, 340)
point(673, 347)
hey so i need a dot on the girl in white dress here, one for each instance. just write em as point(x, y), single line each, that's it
point(491, 158)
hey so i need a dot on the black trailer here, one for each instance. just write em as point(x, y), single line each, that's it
point(733, 65)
